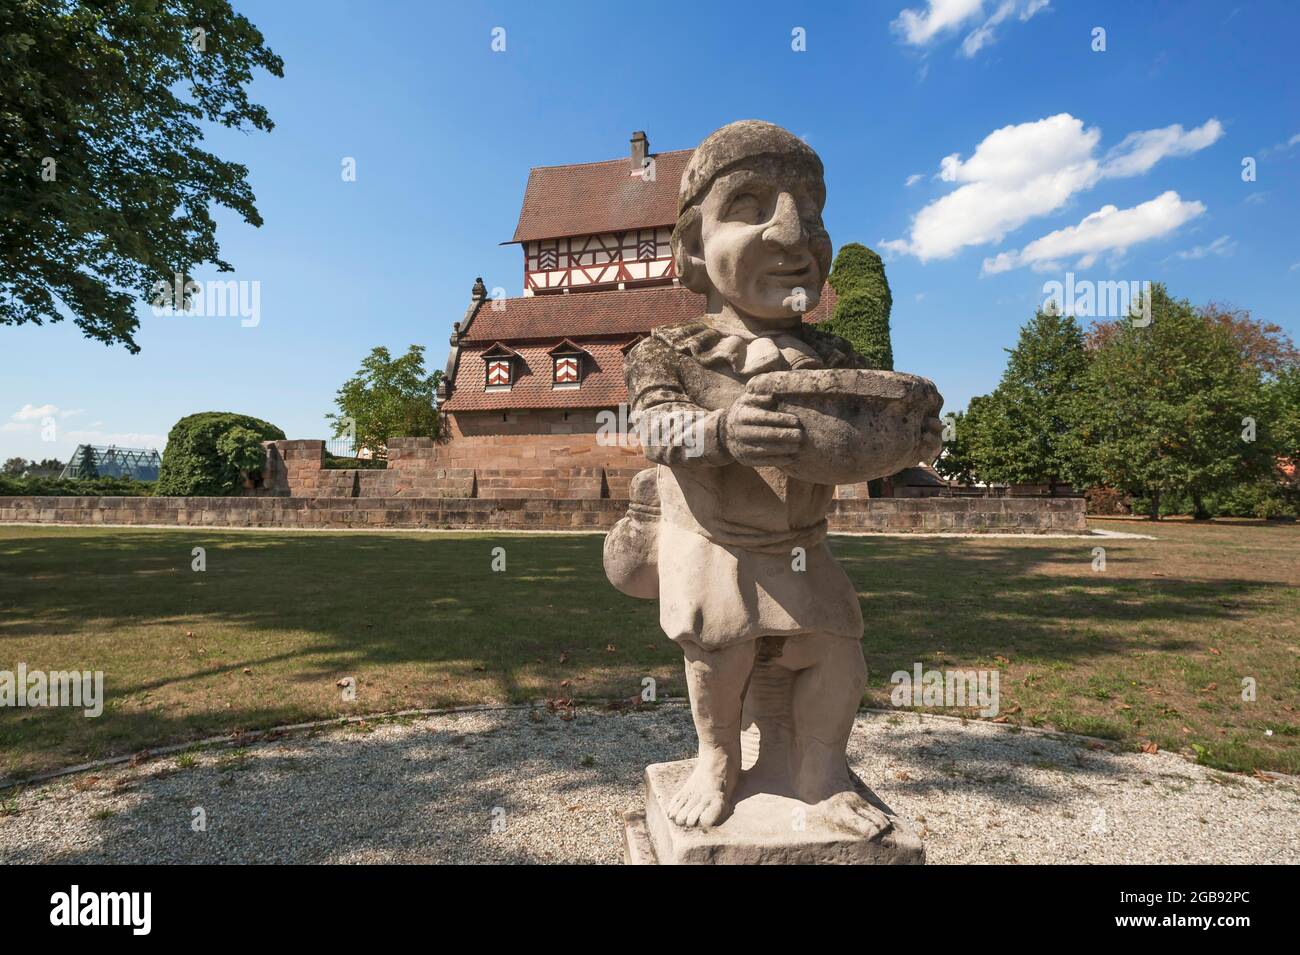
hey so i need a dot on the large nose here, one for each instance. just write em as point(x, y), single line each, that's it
point(786, 228)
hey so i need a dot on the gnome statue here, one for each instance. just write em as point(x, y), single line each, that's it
point(752, 416)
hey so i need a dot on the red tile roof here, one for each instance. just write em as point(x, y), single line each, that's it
point(587, 198)
point(601, 322)
point(602, 381)
point(613, 312)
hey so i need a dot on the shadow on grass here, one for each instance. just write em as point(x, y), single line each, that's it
point(307, 607)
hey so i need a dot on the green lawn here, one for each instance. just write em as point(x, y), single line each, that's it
point(1152, 649)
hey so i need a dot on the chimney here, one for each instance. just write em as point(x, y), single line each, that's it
point(640, 150)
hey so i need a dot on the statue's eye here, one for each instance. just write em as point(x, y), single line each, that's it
point(745, 207)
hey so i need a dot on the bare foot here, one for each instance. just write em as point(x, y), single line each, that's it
point(850, 812)
point(705, 797)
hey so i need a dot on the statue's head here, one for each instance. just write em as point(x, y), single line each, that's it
point(749, 221)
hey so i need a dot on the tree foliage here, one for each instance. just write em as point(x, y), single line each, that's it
point(1024, 421)
point(956, 461)
point(1282, 426)
point(104, 190)
point(1163, 409)
point(1017, 434)
point(87, 470)
point(208, 453)
point(387, 398)
point(863, 304)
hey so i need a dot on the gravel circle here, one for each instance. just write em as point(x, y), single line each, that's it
point(520, 785)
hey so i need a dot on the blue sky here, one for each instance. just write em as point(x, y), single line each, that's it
point(1122, 164)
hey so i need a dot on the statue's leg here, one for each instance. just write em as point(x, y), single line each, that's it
point(766, 720)
point(716, 682)
point(831, 674)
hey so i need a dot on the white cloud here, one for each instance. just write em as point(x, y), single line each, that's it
point(12, 426)
point(30, 412)
point(1222, 246)
point(1140, 151)
point(1109, 229)
point(983, 35)
point(940, 18)
point(913, 179)
point(919, 27)
point(1029, 170)
point(1280, 147)
point(120, 439)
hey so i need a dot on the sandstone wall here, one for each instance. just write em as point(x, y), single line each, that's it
point(907, 515)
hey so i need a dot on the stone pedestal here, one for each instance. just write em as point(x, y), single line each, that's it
point(764, 829)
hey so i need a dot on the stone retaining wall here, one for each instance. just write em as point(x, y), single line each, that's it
point(1006, 515)
point(420, 468)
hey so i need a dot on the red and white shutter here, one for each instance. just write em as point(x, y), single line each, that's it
point(498, 371)
point(566, 370)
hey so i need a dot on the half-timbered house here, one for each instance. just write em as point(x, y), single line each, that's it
point(527, 377)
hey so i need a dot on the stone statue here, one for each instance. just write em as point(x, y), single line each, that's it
point(752, 417)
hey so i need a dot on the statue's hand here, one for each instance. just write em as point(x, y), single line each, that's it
point(757, 435)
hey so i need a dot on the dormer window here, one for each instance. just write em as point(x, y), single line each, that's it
point(567, 365)
point(566, 369)
point(499, 367)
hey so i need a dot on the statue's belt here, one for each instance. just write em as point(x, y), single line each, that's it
point(760, 541)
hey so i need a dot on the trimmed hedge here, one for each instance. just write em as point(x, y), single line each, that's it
point(74, 487)
point(206, 453)
point(334, 462)
point(864, 304)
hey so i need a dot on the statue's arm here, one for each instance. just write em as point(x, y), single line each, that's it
point(674, 429)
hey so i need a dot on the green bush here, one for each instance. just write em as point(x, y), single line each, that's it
point(74, 487)
point(1264, 499)
point(863, 319)
point(242, 449)
point(334, 462)
point(864, 303)
point(1260, 499)
point(206, 452)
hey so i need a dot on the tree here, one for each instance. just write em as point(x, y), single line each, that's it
point(1023, 423)
point(388, 398)
point(1264, 346)
point(1162, 409)
point(1282, 396)
point(863, 304)
point(106, 191)
point(959, 459)
point(15, 466)
point(86, 467)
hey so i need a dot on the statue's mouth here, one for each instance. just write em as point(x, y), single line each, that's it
point(791, 272)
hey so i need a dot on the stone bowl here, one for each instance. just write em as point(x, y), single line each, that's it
point(858, 424)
